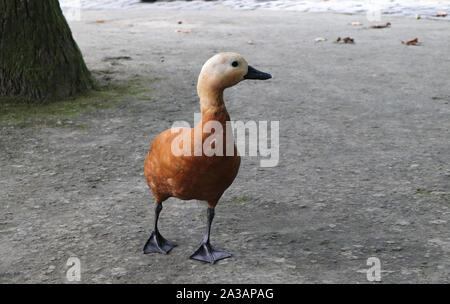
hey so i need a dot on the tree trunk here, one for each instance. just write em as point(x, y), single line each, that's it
point(39, 59)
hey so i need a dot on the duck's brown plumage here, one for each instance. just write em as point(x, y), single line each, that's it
point(198, 177)
point(191, 177)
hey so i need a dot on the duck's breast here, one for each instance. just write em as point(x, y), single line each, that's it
point(188, 177)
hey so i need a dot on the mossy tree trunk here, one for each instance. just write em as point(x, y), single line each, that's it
point(39, 59)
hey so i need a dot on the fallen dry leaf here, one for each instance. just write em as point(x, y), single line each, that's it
point(441, 14)
point(348, 40)
point(183, 31)
point(415, 41)
point(380, 26)
point(180, 22)
point(100, 21)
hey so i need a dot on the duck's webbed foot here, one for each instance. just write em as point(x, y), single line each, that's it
point(207, 253)
point(157, 243)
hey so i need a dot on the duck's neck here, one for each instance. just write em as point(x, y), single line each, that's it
point(212, 105)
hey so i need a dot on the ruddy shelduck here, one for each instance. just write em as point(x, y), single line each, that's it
point(198, 176)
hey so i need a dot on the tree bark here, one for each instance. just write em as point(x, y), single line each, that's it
point(39, 59)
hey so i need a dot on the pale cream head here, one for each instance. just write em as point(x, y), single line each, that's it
point(222, 71)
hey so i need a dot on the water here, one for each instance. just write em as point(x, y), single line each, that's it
point(425, 8)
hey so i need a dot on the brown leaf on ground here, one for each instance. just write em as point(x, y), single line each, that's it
point(100, 21)
point(380, 26)
point(415, 41)
point(347, 40)
point(183, 31)
point(441, 14)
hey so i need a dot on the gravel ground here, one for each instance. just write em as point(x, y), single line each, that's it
point(364, 156)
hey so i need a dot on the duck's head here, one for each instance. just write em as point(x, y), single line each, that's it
point(225, 70)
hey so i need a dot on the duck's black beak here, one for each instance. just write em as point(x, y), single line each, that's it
point(255, 74)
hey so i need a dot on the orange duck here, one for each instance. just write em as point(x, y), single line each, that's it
point(195, 175)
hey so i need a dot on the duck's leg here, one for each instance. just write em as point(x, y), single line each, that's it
point(206, 252)
point(156, 242)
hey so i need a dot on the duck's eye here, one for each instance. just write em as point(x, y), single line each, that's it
point(235, 63)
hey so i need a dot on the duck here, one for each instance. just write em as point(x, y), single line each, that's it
point(193, 175)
